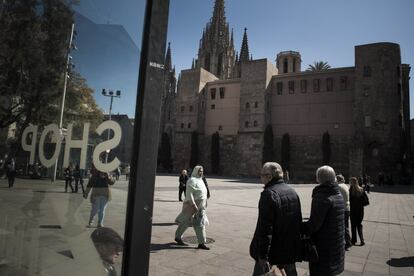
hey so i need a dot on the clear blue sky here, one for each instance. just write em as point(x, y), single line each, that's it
point(324, 30)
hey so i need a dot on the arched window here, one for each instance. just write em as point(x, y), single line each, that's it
point(255, 124)
point(256, 104)
point(285, 65)
point(247, 105)
point(294, 65)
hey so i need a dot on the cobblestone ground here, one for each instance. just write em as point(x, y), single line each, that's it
point(43, 230)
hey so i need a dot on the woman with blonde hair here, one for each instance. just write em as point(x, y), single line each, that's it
point(356, 199)
point(194, 209)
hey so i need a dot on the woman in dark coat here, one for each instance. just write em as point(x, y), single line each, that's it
point(356, 199)
point(326, 224)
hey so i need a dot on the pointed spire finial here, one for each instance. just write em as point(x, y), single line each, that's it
point(244, 52)
point(168, 62)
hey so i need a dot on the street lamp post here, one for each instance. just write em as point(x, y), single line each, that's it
point(112, 95)
point(65, 81)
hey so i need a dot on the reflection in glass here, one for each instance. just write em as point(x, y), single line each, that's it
point(56, 56)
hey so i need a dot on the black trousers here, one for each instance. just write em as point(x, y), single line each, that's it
point(79, 181)
point(10, 177)
point(356, 225)
point(68, 181)
point(180, 192)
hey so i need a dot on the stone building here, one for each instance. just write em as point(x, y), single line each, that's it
point(167, 122)
point(364, 109)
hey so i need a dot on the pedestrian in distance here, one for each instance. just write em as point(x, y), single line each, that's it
point(367, 187)
point(99, 183)
point(78, 175)
point(117, 173)
point(194, 209)
point(357, 198)
point(344, 189)
point(68, 173)
point(10, 171)
point(182, 181)
point(276, 240)
point(286, 177)
point(381, 178)
point(326, 224)
point(127, 172)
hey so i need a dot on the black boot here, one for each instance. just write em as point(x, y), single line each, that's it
point(203, 246)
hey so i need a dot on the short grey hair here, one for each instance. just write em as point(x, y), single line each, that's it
point(274, 169)
point(325, 174)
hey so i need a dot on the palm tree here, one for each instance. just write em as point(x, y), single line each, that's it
point(318, 66)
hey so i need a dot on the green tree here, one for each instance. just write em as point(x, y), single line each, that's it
point(286, 152)
point(318, 66)
point(194, 149)
point(268, 154)
point(215, 153)
point(326, 148)
point(33, 47)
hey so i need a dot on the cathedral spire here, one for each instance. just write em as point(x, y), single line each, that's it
point(244, 52)
point(218, 19)
point(168, 63)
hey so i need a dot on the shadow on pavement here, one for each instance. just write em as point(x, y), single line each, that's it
point(397, 189)
point(401, 262)
point(165, 200)
point(51, 192)
point(172, 245)
point(164, 224)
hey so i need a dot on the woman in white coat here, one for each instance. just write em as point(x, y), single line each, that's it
point(194, 209)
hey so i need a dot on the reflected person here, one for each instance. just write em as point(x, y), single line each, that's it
point(99, 183)
point(109, 245)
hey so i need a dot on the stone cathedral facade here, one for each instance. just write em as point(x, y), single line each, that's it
point(363, 109)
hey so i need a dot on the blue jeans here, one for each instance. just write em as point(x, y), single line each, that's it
point(98, 207)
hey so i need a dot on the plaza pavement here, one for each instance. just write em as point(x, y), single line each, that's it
point(43, 230)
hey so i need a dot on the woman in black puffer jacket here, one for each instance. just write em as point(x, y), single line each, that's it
point(326, 224)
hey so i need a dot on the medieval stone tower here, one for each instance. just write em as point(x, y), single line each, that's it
point(216, 52)
point(167, 120)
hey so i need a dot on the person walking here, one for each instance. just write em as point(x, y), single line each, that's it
point(78, 175)
point(194, 209)
point(68, 178)
point(286, 177)
point(11, 171)
point(326, 224)
point(127, 172)
point(344, 189)
point(182, 184)
point(99, 183)
point(276, 240)
point(356, 198)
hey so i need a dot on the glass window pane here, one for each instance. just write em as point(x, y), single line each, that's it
point(71, 81)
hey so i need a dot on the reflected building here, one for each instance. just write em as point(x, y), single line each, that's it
point(361, 110)
point(124, 149)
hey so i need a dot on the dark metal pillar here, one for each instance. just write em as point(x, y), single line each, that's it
point(145, 148)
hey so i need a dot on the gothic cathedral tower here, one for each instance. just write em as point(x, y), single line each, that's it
point(216, 52)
